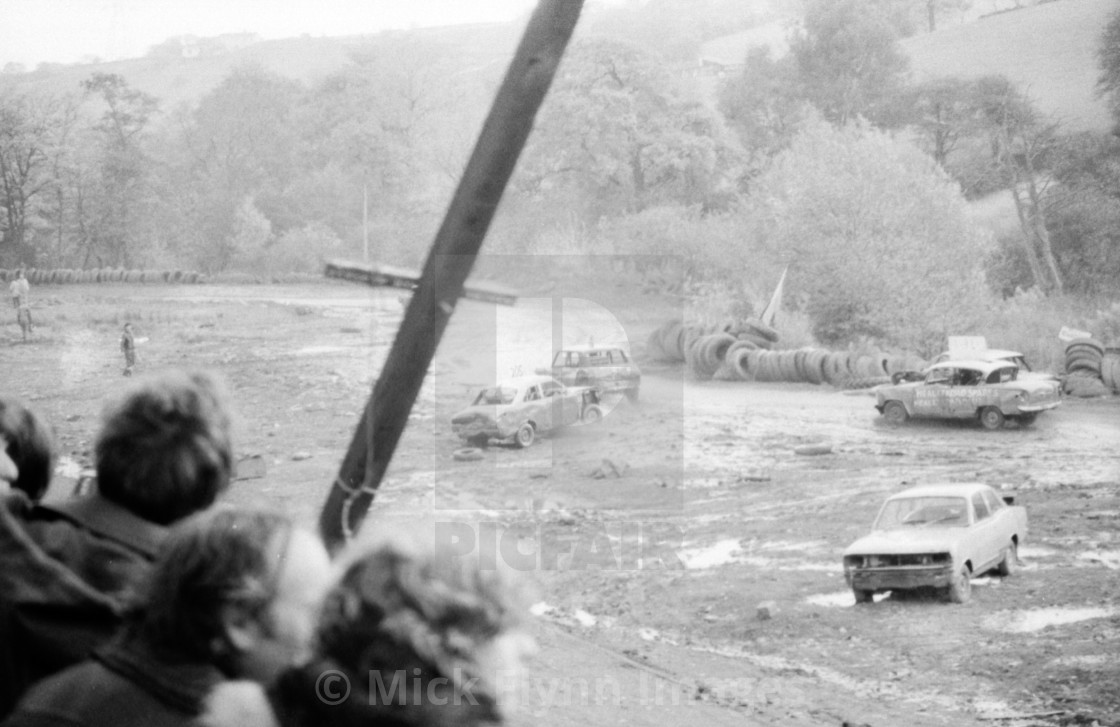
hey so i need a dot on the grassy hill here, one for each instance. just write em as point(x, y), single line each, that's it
point(306, 59)
point(1049, 50)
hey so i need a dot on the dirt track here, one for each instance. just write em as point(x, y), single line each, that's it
point(647, 585)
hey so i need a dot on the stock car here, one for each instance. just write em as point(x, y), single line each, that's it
point(938, 536)
point(990, 391)
point(609, 368)
point(518, 410)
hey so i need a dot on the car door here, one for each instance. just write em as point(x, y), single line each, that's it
point(931, 397)
point(986, 539)
point(538, 408)
point(965, 395)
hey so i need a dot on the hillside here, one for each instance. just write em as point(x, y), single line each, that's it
point(1049, 50)
point(306, 59)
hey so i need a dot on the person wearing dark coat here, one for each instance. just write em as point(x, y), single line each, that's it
point(407, 638)
point(233, 594)
point(69, 568)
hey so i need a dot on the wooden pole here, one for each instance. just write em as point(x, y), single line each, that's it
point(448, 265)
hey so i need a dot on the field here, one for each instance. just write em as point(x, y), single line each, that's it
point(646, 574)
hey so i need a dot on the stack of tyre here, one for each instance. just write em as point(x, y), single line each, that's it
point(64, 276)
point(704, 349)
point(1091, 369)
point(743, 351)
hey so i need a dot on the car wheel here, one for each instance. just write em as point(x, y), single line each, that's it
point(1027, 419)
point(592, 414)
point(895, 413)
point(863, 596)
point(525, 435)
point(960, 590)
point(1010, 561)
point(991, 417)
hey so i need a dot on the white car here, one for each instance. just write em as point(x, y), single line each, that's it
point(519, 409)
point(936, 536)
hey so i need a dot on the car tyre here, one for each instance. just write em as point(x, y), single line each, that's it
point(467, 454)
point(863, 596)
point(895, 413)
point(592, 414)
point(1010, 561)
point(960, 590)
point(525, 436)
point(991, 418)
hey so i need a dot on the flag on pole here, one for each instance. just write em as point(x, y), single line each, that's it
point(775, 303)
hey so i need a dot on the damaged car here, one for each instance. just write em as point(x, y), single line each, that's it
point(519, 410)
point(937, 536)
point(991, 392)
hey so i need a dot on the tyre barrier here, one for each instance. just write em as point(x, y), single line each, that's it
point(67, 276)
point(1092, 369)
point(742, 350)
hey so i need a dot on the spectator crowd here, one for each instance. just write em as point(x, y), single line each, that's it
point(149, 601)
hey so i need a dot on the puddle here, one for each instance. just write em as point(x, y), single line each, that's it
point(1036, 551)
point(1022, 622)
point(721, 553)
point(315, 350)
point(579, 616)
point(1107, 558)
point(841, 599)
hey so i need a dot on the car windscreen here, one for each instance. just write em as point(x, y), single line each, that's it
point(906, 512)
point(496, 395)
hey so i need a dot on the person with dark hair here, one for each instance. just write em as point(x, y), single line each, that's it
point(233, 595)
point(27, 450)
point(68, 568)
point(405, 638)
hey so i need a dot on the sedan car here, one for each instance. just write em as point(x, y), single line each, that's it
point(609, 368)
point(936, 536)
point(519, 409)
point(990, 391)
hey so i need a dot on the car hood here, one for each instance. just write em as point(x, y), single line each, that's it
point(917, 539)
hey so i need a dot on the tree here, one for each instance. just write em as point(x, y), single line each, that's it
point(1108, 58)
point(618, 134)
point(1023, 145)
point(116, 204)
point(875, 235)
point(33, 130)
point(848, 60)
point(762, 104)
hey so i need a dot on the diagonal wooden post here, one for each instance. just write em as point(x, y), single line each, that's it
point(448, 265)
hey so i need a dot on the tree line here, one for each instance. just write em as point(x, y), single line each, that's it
point(828, 159)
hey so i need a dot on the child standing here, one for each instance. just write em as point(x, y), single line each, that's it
point(128, 347)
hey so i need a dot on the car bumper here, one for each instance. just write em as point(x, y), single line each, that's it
point(1030, 408)
point(477, 429)
point(885, 579)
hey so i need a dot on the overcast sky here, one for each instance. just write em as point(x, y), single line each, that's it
point(68, 31)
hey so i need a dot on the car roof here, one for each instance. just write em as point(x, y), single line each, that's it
point(522, 382)
point(584, 348)
point(942, 489)
point(973, 363)
point(990, 354)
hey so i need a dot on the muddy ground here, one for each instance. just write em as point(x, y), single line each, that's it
point(646, 583)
